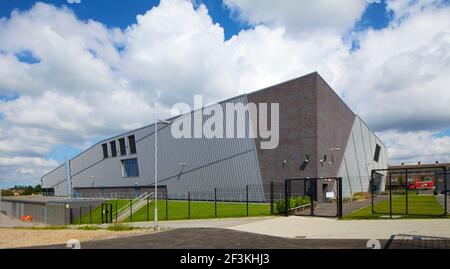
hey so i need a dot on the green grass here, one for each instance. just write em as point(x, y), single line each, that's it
point(96, 214)
point(120, 227)
point(419, 206)
point(89, 228)
point(178, 210)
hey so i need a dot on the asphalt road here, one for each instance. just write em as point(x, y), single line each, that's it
point(215, 238)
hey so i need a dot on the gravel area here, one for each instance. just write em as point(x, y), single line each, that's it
point(23, 237)
point(9, 222)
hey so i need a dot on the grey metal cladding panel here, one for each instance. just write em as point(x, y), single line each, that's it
point(54, 177)
point(195, 152)
point(86, 159)
point(229, 177)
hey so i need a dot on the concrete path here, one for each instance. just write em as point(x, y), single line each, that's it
point(325, 228)
point(207, 223)
point(330, 209)
point(214, 238)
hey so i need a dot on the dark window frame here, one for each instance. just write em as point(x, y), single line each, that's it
point(132, 144)
point(376, 156)
point(105, 150)
point(122, 147)
point(113, 146)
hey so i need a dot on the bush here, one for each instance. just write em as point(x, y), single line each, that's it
point(88, 227)
point(361, 196)
point(120, 227)
point(293, 202)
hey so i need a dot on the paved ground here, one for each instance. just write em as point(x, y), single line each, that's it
point(206, 223)
point(330, 209)
point(327, 228)
point(215, 238)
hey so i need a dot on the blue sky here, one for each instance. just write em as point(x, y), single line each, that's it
point(119, 13)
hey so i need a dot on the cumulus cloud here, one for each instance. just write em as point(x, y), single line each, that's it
point(299, 16)
point(74, 1)
point(412, 147)
point(92, 81)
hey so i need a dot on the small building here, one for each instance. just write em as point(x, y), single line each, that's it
point(419, 173)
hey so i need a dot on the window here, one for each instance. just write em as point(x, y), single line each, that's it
point(130, 168)
point(132, 143)
point(123, 149)
point(113, 148)
point(376, 157)
point(105, 150)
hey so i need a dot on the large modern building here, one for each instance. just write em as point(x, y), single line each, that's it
point(319, 136)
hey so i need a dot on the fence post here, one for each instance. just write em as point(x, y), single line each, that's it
point(147, 210)
point(311, 198)
point(189, 205)
point(341, 210)
point(80, 214)
point(131, 210)
point(215, 202)
point(167, 206)
point(116, 212)
point(286, 198)
point(271, 198)
point(390, 195)
point(372, 189)
point(246, 193)
point(90, 214)
point(445, 192)
point(110, 213)
point(406, 194)
point(70, 214)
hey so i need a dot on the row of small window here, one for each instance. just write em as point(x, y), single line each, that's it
point(122, 147)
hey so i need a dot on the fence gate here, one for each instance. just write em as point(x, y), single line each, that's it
point(321, 197)
point(415, 191)
point(107, 213)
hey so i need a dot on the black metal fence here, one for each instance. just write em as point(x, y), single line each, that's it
point(218, 203)
point(410, 191)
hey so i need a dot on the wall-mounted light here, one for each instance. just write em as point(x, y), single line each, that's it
point(283, 163)
point(307, 158)
point(332, 156)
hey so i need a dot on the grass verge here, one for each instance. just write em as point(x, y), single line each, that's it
point(419, 207)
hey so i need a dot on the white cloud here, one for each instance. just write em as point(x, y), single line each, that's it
point(84, 89)
point(412, 147)
point(399, 77)
point(299, 16)
point(74, 1)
